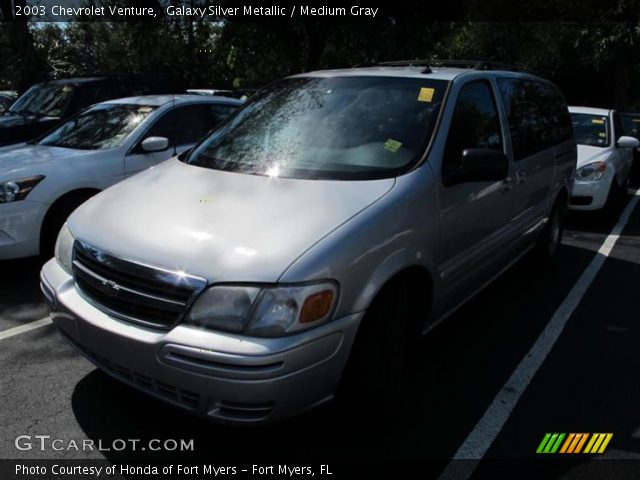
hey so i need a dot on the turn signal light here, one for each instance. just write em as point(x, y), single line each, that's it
point(316, 306)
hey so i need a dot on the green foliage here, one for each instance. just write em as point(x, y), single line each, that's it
point(594, 63)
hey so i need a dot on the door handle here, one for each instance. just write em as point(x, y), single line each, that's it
point(522, 177)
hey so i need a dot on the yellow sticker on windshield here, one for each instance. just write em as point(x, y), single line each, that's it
point(392, 145)
point(426, 94)
point(597, 121)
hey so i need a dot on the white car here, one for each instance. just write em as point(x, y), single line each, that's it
point(42, 182)
point(604, 157)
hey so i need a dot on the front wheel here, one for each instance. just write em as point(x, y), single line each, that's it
point(372, 385)
point(551, 236)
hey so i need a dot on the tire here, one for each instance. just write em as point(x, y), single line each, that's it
point(616, 197)
point(551, 237)
point(54, 220)
point(373, 382)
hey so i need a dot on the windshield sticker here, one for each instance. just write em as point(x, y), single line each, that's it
point(144, 109)
point(426, 94)
point(602, 134)
point(67, 88)
point(636, 120)
point(392, 145)
point(597, 121)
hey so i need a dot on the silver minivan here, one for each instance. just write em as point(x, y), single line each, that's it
point(295, 249)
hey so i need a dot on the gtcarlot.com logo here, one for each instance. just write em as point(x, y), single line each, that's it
point(573, 443)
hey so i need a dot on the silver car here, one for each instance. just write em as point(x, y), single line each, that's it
point(292, 253)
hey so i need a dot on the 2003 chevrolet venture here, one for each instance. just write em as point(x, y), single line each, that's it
point(291, 254)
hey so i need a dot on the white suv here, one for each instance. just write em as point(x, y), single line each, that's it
point(604, 158)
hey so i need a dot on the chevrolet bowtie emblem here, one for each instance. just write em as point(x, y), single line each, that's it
point(110, 288)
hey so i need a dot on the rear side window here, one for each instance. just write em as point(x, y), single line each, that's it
point(537, 113)
point(555, 114)
point(475, 124)
point(220, 112)
point(184, 125)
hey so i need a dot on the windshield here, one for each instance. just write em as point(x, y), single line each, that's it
point(591, 129)
point(630, 125)
point(339, 128)
point(43, 100)
point(102, 126)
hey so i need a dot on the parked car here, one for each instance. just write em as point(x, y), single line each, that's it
point(631, 128)
point(43, 182)
point(239, 94)
point(7, 97)
point(44, 105)
point(302, 242)
point(604, 158)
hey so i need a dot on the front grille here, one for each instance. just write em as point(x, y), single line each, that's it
point(136, 293)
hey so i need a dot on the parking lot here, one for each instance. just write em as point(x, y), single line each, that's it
point(462, 372)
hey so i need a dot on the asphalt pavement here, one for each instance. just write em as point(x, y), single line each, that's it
point(588, 381)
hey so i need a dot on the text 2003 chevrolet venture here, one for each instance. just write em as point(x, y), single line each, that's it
point(311, 233)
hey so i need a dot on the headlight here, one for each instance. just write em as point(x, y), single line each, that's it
point(64, 249)
point(264, 311)
point(591, 171)
point(18, 189)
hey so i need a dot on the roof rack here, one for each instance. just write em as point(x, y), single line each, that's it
point(436, 62)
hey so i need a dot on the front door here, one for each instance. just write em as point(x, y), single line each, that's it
point(475, 215)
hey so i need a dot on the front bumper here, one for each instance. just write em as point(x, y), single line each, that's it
point(590, 195)
point(20, 224)
point(225, 377)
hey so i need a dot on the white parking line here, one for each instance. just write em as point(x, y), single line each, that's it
point(489, 426)
point(24, 328)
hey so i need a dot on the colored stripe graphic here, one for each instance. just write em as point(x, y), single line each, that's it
point(581, 443)
point(543, 443)
point(607, 439)
point(567, 443)
point(574, 443)
point(550, 443)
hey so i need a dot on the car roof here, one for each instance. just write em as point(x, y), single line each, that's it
point(589, 110)
point(159, 100)
point(434, 72)
point(73, 80)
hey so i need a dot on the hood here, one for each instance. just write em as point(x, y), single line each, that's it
point(588, 154)
point(223, 226)
point(27, 160)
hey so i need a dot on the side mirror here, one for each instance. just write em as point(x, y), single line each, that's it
point(479, 165)
point(155, 144)
point(628, 142)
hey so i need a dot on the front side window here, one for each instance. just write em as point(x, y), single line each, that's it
point(330, 128)
point(46, 100)
point(593, 130)
point(630, 125)
point(475, 124)
point(189, 123)
point(102, 126)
